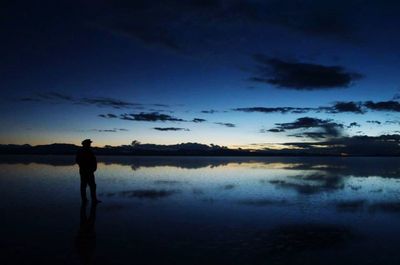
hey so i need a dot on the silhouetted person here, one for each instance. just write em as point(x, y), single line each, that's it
point(87, 166)
point(85, 241)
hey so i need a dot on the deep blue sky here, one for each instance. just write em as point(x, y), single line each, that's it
point(157, 65)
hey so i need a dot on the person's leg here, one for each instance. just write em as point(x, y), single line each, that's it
point(83, 187)
point(92, 186)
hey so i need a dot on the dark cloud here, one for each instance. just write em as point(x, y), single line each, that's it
point(198, 120)
point(211, 111)
point(301, 123)
point(55, 97)
point(392, 122)
point(340, 107)
point(161, 105)
point(226, 124)
point(150, 116)
point(375, 122)
point(353, 124)
point(108, 116)
point(337, 107)
point(301, 76)
point(170, 129)
point(108, 102)
point(325, 128)
point(110, 130)
point(274, 130)
point(383, 105)
point(275, 110)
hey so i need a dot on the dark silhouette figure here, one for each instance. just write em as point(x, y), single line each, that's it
point(85, 241)
point(87, 166)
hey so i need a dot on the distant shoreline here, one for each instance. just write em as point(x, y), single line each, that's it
point(202, 150)
point(197, 155)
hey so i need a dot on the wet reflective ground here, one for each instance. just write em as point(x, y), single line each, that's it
point(201, 210)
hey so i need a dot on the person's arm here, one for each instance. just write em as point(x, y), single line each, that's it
point(94, 163)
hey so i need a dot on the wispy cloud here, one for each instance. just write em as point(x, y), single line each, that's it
point(226, 124)
point(335, 108)
point(108, 102)
point(211, 111)
point(110, 130)
point(151, 117)
point(198, 120)
point(53, 97)
point(353, 124)
point(282, 110)
point(102, 102)
point(108, 116)
point(170, 129)
point(375, 122)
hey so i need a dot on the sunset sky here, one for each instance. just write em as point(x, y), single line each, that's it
point(233, 73)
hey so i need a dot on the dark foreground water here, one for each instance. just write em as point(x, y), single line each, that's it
point(199, 210)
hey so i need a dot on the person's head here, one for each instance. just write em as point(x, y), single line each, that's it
point(86, 143)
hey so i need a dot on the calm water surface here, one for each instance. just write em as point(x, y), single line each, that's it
point(199, 210)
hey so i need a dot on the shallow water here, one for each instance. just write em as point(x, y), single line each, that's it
point(202, 210)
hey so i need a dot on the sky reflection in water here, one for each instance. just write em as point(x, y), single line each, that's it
point(203, 211)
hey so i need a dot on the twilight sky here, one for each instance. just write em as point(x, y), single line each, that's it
point(235, 73)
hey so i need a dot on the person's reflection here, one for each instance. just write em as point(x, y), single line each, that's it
point(86, 239)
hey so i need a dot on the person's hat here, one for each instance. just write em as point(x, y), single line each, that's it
point(86, 141)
